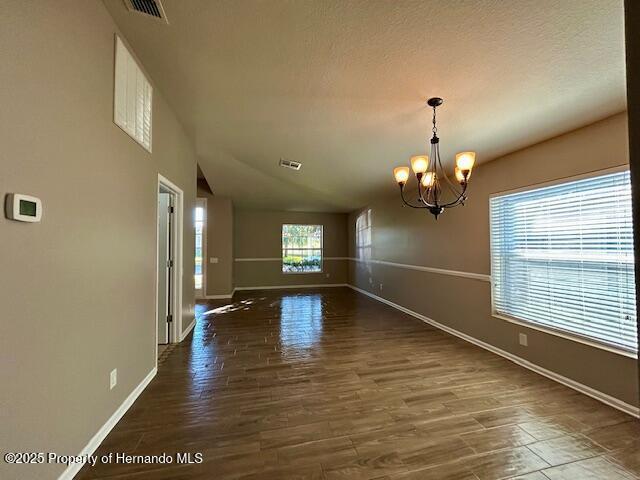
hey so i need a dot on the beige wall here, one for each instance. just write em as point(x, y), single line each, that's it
point(459, 240)
point(219, 276)
point(78, 290)
point(258, 234)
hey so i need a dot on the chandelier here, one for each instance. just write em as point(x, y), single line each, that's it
point(436, 191)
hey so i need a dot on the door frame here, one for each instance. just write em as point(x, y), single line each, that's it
point(178, 236)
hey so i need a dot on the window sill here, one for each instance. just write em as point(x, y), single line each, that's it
point(566, 336)
point(301, 273)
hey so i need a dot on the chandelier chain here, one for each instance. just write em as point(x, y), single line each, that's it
point(434, 129)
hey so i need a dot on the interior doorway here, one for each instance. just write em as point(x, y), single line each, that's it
point(169, 264)
point(166, 263)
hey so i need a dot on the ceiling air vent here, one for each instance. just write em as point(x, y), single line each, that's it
point(153, 8)
point(290, 164)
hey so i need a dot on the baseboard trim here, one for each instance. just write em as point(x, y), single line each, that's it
point(99, 437)
point(283, 287)
point(568, 382)
point(184, 334)
point(269, 287)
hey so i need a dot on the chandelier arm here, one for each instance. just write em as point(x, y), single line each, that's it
point(458, 201)
point(456, 192)
point(425, 200)
point(407, 203)
point(436, 191)
point(420, 198)
point(450, 185)
point(461, 198)
point(433, 171)
point(459, 194)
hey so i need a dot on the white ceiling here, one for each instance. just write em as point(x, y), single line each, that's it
point(340, 85)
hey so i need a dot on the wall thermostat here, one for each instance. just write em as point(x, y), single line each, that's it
point(23, 208)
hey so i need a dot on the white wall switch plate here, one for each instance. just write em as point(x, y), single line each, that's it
point(213, 259)
point(524, 341)
point(113, 378)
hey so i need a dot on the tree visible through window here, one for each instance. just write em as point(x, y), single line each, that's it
point(301, 248)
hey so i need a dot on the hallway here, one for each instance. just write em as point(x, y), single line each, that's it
point(329, 384)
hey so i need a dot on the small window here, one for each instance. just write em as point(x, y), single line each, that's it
point(132, 106)
point(562, 258)
point(363, 235)
point(301, 248)
point(200, 238)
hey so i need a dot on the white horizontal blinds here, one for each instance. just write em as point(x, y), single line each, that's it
point(562, 257)
point(132, 97)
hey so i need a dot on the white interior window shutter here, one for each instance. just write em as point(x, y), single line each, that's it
point(133, 96)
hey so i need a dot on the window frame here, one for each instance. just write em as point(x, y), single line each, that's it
point(122, 53)
point(321, 248)
point(364, 250)
point(201, 202)
point(558, 332)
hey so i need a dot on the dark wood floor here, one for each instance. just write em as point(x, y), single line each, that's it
point(332, 385)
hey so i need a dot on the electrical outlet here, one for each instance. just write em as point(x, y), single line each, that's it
point(524, 341)
point(113, 378)
point(370, 281)
point(213, 259)
point(380, 286)
point(328, 275)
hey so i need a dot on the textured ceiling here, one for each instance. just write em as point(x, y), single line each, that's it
point(340, 85)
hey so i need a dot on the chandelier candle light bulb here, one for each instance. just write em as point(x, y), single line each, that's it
point(460, 175)
point(465, 161)
point(401, 174)
point(419, 164)
point(428, 180)
point(433, 181)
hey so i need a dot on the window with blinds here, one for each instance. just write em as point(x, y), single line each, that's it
point(562, 258)
point(133, 97)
